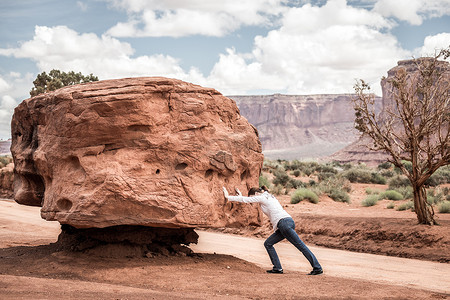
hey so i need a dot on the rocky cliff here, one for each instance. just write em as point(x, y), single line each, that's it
point(301, 126)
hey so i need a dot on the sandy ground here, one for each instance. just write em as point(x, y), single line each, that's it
point(32, 268)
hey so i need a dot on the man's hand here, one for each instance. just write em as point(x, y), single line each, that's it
point(225, 192)
point(238, 191)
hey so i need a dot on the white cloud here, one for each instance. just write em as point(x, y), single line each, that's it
point(412, 11)
point(433, 44)
point(83, 6)
point(192, 17)
point(106, 57)
point(12, 86)
point(316, 50)
point(4, 86)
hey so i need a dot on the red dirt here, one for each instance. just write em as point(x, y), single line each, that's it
point(31, 267)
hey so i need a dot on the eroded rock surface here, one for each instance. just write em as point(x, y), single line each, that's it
point(137, 151)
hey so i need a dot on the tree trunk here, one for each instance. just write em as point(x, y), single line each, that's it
point(424, 214)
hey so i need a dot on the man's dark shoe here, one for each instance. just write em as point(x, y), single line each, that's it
point(316, 272)
point(275, 271)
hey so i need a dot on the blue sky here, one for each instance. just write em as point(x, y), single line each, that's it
point(235, 46)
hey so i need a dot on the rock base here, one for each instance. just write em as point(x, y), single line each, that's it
point(127, 241)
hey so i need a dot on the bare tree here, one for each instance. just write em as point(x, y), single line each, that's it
point(414, 123)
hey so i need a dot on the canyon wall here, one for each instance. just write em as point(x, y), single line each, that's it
point(301, 126)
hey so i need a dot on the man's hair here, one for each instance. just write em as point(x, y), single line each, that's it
point(255, 190)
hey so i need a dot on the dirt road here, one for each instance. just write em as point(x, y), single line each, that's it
point(392, 270)
point(29, 270)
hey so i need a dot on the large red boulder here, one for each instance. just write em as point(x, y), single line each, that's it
point(137, 151)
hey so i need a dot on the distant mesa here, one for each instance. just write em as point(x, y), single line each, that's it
point(358, 152)
point(151, 152)
point(4, 147)
point(301, 126)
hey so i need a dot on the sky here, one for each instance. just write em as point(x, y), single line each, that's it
point(238, 47)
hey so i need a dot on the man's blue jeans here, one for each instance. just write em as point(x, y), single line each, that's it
point(286, 229)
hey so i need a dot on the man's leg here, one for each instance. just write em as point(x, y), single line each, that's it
point(287, 228)
point(272, 240)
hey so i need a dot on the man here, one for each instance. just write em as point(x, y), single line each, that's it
point(283, 227)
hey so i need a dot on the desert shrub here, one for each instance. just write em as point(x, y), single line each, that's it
point(444, 207)
point(326, 169)
point(325, 175)
point(302, 194)
point(281, 177)
point(296, 173)
point(357, 175)
point(269, 165)
point(339, 195)
point(385, 166)
point(405, 206)
point(308, 171)
point(391, 195)
point(312, 182)
point(277, 189)
point(398, 181)
point(296, 183)
point(441, 176)
point(434, 196)
point(347, 166)
point(5, 160)
point(391, 205)
point(363, 176)
point(406, 164)
point(263, 180)
point(377, 178)
point(406, 191)
point(371, 200)
point(370, 191)
point(387, 173)
point(336, 188)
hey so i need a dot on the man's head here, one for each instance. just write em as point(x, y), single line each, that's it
point(255, 190)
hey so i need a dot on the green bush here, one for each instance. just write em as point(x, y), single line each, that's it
point(302, 194)
point(390, 205)
point(339, 195)
point(277, 189)
point(325, 175)
point(295, 183)
point(370, 191)
point(377, 178)
point(371, 200)
point(387, 173)
point(441, 176)
point(361, 175)
point(357, 175)
point(406, 164)
point(444, 207)
point(391, 195)
point(435, 196)
point(385, 166)
point(296, 173)
point(336, 188)
point(281, 177)
point(406, 191)
point(405, 206)
point(263, 180)
point(5, 160)
point(326, 169)
point(398, 181)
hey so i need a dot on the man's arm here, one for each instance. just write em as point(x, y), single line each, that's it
point(243, 199)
